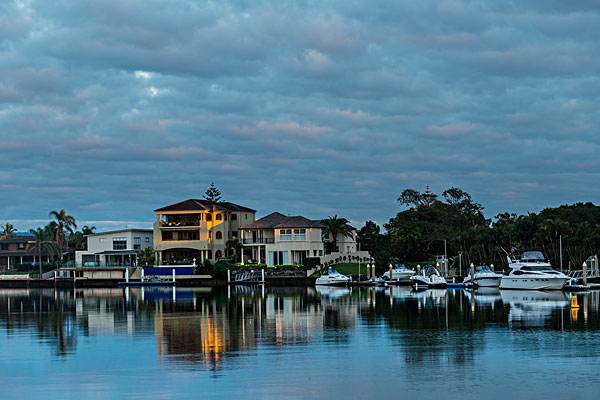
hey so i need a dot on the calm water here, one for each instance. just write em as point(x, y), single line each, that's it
point(281, 343)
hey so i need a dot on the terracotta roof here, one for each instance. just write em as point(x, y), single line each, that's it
point(203, 205)
point(278, 220)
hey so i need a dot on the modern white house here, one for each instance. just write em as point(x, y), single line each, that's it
point(277, 239)
point(117, 248)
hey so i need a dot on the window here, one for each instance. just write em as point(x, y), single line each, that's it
point(246, 216)
point(147, 239)
point(300, 234)
point(4, 246)
point(208, 216)
point(219, 217)
point(234, 217)
point(218, 254)
point(137, 243)
point(119, 243)
point(102, 240)
point(219, 235)
point(285, 234)
point(167, 235)
point(21, 246)
point(210, 235)
point(315, 253)
point(188, 235)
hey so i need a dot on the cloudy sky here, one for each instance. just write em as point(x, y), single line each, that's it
point(112, 108)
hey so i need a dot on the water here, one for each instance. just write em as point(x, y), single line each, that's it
point(297, 343)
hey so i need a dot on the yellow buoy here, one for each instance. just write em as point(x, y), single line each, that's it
point(574, 304)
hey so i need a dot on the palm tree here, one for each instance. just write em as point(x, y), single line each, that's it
point(145, 257)
point(88, 230)
point(42, 242)
point(65, 223)
point(8, 230)
point(335, 226)
point(234, 245)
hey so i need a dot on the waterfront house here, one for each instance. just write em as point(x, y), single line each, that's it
point(277, 239)
point(198, 230)
point(16, 250)
point(117, 248)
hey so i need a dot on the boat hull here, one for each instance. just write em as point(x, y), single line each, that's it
point(331, 283)
point(533, 283)
point(488, 282)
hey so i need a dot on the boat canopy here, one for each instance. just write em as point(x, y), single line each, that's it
point(482, 268)
point(533, 255)
point(401, 267)
point(429, 270)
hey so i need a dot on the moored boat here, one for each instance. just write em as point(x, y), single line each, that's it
point(531, 271)
point(400, 274)
point(483, 276)
point(428, 277)
point(331, 277)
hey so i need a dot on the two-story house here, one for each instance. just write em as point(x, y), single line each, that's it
point(117, 248)
point(277, 239)
point(15, 250)
point(197, 229)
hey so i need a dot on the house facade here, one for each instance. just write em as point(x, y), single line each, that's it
point(197, 230)
point(277, 239)
point(16, 250)
point(117, 248)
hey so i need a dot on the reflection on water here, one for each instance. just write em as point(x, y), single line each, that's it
point(271, 341)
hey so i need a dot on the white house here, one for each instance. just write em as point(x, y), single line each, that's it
point(277, 239)
point(114, 248)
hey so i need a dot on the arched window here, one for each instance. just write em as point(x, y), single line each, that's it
point(208, 216)
point(219, 217)
point(219, 235)
point(218, 254)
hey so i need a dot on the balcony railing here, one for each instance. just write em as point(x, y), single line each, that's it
point(179, 224)
point(258, 240)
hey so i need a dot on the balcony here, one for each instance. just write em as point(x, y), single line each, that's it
point(258, 240)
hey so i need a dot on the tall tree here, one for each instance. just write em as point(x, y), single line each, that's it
point(212, 194)
point(8, 230)
point(335, 226)
point(43, 242)
point(65, 224)
point(234, 246)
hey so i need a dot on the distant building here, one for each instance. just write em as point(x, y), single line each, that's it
point(197, 229)
point(277, 239)
point(16, 250)
point(114, 248)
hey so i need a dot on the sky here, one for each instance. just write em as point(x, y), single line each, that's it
point(113, 108)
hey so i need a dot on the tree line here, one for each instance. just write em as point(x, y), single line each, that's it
point(55, 238)
point(428, 222)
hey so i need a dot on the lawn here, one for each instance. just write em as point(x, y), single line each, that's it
point(351, 268)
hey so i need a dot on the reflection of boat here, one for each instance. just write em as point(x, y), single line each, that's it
point(533, 306)
point(483, 277)
point(400, 274)
point(332, 278)
point(484, 296)
point(428, 277)
point(531, 271)
point(332, 292)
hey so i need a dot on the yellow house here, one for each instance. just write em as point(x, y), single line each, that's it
point(198, 230)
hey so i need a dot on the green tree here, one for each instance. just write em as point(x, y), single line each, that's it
point(146, 257)
point(334, 226)
point(212, 194)
point(43, 242)
point(64, 226)
point(234, 247)
point(8, 230)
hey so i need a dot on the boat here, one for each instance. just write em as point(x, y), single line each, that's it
point(483, 277)
point(428, 277)
point(331, 277)
point(400, 274)
point(531, 271)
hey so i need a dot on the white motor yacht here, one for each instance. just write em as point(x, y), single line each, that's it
point(483, 277)
point(400, 274)
point(531, 271)
point(428, 277)
point(331, 277)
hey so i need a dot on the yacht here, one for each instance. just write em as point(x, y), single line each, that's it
point(400, 274)
point(483, 277)
point(428, 277)
point(531, 271)
point(331, 277)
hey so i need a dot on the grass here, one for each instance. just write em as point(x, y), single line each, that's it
point(351, 268)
